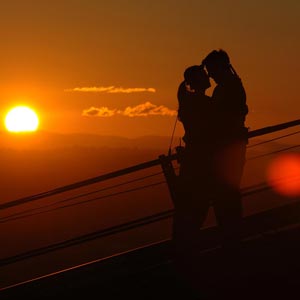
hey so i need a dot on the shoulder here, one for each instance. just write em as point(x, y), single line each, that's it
point(231, 87)
point(236, 84)
point(181, 88)
point(217, 90)
point(181, 92)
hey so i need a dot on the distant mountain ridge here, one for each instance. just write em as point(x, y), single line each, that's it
point(50, 140)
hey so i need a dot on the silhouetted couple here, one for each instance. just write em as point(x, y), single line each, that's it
point(214, 155)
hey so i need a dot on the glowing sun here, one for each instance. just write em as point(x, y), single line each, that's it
point(21, 119)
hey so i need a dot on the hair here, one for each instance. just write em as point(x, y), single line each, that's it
point(196, 75)
point(220, 58)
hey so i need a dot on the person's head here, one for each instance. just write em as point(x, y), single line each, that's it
point(217, 64)
point(197, 78)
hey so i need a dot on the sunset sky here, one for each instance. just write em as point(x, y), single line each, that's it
point(113, 67)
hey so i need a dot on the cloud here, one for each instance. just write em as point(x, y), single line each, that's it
point(110, 89)
point(99, 112)
point(146, 109)
point(131, 90)
point(141, 110)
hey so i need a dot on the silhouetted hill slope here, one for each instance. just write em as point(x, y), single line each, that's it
point(46, 140)
point(266, 266)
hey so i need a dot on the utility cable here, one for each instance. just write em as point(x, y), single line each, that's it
point(21, 215)
point(172, 137)
point(274, 152)
point(274, 139)
point(98, 234)
point(4, 220)
point(79, 196)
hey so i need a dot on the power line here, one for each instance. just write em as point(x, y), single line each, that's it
point(134, 168)
point(79, 184)
point(274, 139)
point(254, 186)
point(102, 233)
point(89, 237)
point(111, 175)
point(271, 129)
point(7, 219)
point(20, 214)
point(80, 196)
point(274, 152)
point(114, 186)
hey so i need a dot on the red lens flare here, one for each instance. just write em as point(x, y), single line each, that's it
point(283, 175)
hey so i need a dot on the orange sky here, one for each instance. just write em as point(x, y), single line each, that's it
point(75, 61)
point(51, 47)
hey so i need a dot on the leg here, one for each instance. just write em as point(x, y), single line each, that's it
point(187, 222)
point(228, 202)
point(228, 211)
point(190, 213)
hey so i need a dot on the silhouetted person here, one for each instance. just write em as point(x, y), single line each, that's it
point(212, 163)
point(195, 175)
point(230, 110)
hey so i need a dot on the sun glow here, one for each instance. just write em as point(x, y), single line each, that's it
point(21, 119)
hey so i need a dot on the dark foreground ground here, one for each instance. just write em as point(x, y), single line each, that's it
point(266, 267)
